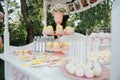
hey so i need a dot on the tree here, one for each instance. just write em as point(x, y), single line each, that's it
point(30, 31)
point(1, 22)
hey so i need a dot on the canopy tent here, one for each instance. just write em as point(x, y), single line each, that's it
point(58, 1)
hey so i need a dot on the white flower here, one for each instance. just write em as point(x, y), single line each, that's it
point(58, 8)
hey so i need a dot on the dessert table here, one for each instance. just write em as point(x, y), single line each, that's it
point(38, 73)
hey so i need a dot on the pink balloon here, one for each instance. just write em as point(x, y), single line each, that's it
point(0, 40)
point(1, 15)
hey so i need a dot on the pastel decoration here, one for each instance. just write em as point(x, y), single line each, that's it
point(106, 41)
point(14, 77)
point(25, 77)
point(101, 35)
point(19, 75)
point(80, 72)
point(97, 40)
point(71, 69)
point(107, 59)
point(89, 73)
point(97, 69)
point(93, 35)
point(108, 35)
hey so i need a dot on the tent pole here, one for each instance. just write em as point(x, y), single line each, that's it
point(6, 40)
point(6, 31)
point(45, 13)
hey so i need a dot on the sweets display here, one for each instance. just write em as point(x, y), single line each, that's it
point(102, 38)
point(89, 70)
point(39, 59)
point(59, 29)
point(57, 45)
point(99, 44)
point(78, 66)
point(102, 57)
point(48, 30)
point(24, 55)
point(69, 30)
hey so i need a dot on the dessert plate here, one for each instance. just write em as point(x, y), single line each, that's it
point(105, 74)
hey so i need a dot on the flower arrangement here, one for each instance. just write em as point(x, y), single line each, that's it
point(58, 8)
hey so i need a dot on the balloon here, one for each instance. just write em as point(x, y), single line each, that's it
point(1, 15)
point(0, 40)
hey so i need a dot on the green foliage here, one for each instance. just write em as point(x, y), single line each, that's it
point(36, 13)
point(18, 28)
point(98, 16)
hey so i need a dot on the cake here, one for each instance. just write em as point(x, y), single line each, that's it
point(59, 29)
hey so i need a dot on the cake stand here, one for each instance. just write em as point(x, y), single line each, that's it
point(58, 51)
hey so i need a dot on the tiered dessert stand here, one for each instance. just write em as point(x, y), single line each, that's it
point(58, 50)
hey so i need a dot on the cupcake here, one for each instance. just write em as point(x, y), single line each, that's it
point(59, 29)
point(56, 45)
point(49, 44)
point(44, 30)
point(69, 30)
point(48, 30)
point(65, 45)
